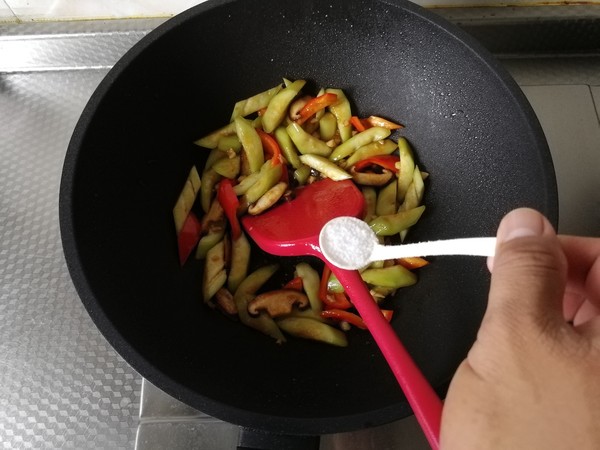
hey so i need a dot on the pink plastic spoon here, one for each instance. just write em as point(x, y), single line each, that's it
point(292, 229)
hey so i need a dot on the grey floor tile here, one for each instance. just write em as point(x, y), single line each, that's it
point(186, 435)
point(157, 404)
point(569, 119)
point(402, 434)
point(553, 71)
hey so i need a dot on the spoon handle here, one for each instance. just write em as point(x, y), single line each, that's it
point(480, 246)
point(423, 400)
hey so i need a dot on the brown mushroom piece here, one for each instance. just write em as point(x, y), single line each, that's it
point(296, 106)
point(277, 303)
point(225, 302)
point(371, 178)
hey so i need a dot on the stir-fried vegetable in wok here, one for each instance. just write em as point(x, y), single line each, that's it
point(276, 141)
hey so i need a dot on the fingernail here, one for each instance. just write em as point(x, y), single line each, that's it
point(521, 223)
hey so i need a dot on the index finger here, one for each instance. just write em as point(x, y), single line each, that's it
point(583, 257)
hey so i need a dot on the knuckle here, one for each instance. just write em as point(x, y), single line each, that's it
point(531, 256)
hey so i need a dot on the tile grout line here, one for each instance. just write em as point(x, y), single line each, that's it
point(595, 103)
point(17, 19)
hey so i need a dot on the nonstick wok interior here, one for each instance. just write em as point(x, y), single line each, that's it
point(469, 125)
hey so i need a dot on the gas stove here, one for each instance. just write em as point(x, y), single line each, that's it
point(61, 384)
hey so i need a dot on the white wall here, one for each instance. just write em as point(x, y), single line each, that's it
point(28, 10)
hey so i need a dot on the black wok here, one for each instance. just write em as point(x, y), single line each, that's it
point(471, 129)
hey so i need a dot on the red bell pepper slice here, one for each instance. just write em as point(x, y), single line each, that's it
point(337, 300)
point(323, 285)
point(413, 262)
point(385, 161)
point(358, 124)
point(295, 283)
point(376, 121)
point(388, 314)
point(352, 318)
point(188, 237)
point(285, 176)
point(270, 147)
point(314, 105)
point(228, 199)
point(344, 316)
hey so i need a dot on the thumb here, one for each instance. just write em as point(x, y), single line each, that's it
point(529, 273)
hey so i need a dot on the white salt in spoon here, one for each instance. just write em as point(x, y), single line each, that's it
point(349, 243)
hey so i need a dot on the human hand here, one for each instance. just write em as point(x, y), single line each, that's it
point(532, 378)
